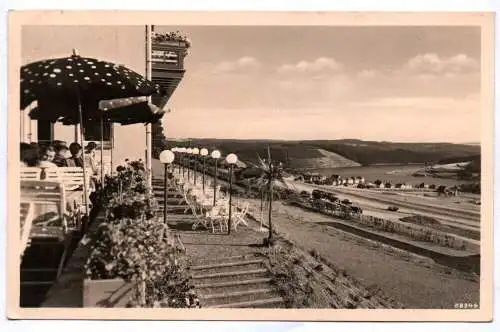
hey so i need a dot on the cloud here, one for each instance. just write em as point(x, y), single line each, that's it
point(242, 63)
point(431, 63)
point(318, 65)
point(367, 73)
point(469, 103)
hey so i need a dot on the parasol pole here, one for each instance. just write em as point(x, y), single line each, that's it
point(112, 147)
point(85, 189)
point(102, 148)
point(148, 126)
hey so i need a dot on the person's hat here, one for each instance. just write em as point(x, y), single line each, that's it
point(59, 145)
point(91, 146)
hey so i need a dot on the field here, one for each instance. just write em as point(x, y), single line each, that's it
point(391, 173)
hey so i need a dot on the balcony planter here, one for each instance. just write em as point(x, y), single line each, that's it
point(108, 293)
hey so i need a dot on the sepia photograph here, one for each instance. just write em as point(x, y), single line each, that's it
point(277, 162)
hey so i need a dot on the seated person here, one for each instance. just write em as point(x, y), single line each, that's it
point(46, 157)
point(62, 154)
point(25, 148)
point(29, 154)
point(89, 156)
point(90, 163)
point(76, 159)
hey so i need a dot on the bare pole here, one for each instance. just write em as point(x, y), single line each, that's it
point(112, 147)
point(85, 188)
point(148, 126)
point(102, 148)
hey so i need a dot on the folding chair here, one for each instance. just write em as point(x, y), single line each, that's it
point(216, 215)
point(239, 216)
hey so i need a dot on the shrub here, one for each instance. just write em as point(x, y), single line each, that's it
point(132, 244)
point(138, 250)
point(126, 194)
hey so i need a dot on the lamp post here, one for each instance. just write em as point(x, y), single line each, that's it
point(166, 157)
point(174, 150)
point(204, 153)
point(196, 152)
point(231, 159)
point(183, 156)
point(215, 155)
point(189, 151)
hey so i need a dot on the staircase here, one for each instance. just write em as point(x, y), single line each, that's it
point(235, 282)
point(227, 282)
point(175, 198)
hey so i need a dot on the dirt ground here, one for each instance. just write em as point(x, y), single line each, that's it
point(413, 282)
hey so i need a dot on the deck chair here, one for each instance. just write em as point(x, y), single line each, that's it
point(26, 223)
point(194, 211)
point(239, 216)
point(71, 178)
point(215, 216)
point(46, 216)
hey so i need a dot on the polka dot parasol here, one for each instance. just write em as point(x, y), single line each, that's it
point(77, 77)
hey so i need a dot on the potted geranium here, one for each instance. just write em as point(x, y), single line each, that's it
point(132, 263)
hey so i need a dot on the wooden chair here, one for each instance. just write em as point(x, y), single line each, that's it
point(73, 185)
point(45, 217)
point(47, 206)
point(26, 223)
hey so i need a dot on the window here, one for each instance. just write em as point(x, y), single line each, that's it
point(93, 131)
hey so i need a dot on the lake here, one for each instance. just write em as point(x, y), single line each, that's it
point(391, 173)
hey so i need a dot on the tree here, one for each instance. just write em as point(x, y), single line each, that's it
point(377, 182)
point(271, 174)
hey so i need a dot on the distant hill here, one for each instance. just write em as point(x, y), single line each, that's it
point(337, 153)
point(474, 158)
point(327, 159)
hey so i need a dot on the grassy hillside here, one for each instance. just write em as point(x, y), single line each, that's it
point(347, 152)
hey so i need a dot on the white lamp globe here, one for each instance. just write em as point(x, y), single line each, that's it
point(167, 157)
point(173, 149)
point(182, 150)
point(204, 152)
point(215, 154)
point(231, 159)
point(189, 150)
point(196, 151)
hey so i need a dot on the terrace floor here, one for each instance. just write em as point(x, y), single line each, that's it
point(202, 245)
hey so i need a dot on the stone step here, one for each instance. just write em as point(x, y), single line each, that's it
point(264, 303)
point(173, 207)
point(218, 266)
point(160, 193)
point(205, 288)
point(173, 204)
point(236, 296)
point(230, 267)
point(227, 259)
point(230, 276)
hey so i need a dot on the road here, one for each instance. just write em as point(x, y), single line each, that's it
point(378, 203)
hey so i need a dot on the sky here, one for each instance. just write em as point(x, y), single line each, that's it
point(378, 83)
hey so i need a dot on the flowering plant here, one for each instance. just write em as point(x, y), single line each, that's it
point(138, 250)
point(126, 194)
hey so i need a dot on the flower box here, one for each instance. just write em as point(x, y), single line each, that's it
point(108, 293)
